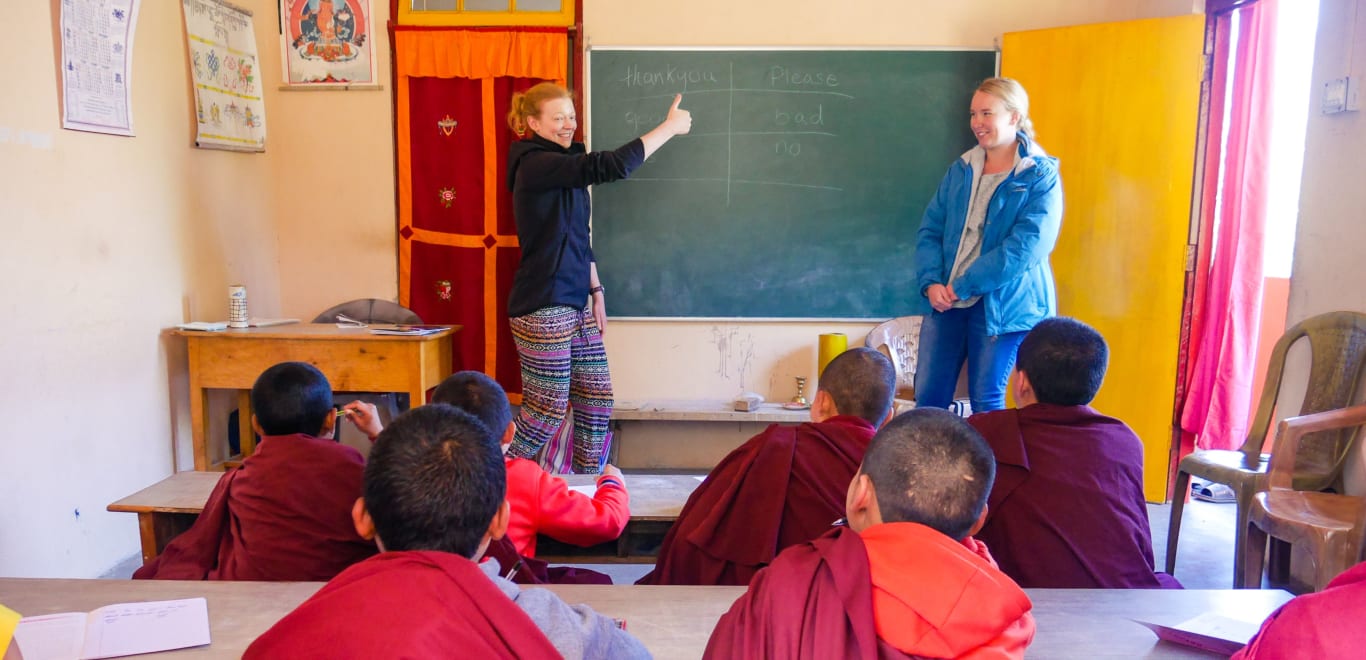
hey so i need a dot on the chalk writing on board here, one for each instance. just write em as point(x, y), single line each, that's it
point(787, 121)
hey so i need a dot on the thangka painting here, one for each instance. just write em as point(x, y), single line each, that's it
point(328, 42)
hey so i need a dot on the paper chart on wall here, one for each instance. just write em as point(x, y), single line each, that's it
point(229, 108)
point(97, 63)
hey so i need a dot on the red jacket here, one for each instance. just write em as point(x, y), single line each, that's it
point(543, 504)
point(939, 598)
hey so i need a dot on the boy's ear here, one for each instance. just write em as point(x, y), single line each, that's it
point(860, 504)
point(256, 426)
point(329, 424)
point(508, 433)
point(365, 525)
point(498, 527)
point(981, 521)
point(823, 407)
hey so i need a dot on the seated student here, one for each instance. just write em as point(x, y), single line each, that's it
point(1315, 626)
point(541, 503)
point(435, 496)
point(782, 487)
point(1067, 510)
point(905, 576)
point(285, 514)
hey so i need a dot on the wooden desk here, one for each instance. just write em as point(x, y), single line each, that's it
point(656, 501)
point(352, 359)
point(168, 508)
point(673, 622)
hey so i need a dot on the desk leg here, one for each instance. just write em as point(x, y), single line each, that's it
point(147, 532)
point(199, 426)
point(245, 433)
point(157, 528)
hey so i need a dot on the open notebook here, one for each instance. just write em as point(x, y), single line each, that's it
point(115, 630)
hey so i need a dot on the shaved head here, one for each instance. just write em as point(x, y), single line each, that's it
point(862, 382)
point(929, 466)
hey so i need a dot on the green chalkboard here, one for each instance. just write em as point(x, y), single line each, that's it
point(799, 190)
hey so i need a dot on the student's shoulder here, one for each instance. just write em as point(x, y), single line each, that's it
point(993, 421)
point(523, 468)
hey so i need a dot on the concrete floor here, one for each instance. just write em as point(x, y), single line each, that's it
point(1204, 557)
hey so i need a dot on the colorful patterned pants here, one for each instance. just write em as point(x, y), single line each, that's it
point(563, 362)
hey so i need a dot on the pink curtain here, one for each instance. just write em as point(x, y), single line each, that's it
point(1229, 295)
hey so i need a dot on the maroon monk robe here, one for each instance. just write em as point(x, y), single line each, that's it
point(816, 601)
point(1316, 626)
point(1067, 508)
point(529, 570)
point(406, 605)
point(782, 487)
point(285, 515)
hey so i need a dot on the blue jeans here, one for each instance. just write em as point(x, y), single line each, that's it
point(946, 340)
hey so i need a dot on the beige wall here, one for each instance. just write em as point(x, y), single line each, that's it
point(108, 240)
point(334, 192)
point(1331, 228)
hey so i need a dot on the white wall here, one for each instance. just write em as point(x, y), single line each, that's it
point(1328, 273)
point(108, 240)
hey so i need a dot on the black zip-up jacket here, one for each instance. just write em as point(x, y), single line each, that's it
point(550, 201)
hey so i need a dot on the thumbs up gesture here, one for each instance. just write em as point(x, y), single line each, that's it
point(679, 120)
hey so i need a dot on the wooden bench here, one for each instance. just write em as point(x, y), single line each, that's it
point(675, 622)
point(687, 434)
point(168, 508)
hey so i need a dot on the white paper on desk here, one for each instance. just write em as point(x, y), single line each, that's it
point(51, 636)
point(115, 630)
point(204, 326)
point(1209, 631)
point(586, 490)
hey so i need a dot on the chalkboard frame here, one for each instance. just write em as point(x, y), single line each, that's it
point(586, 103)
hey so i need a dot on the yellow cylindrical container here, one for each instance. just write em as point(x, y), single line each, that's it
point(831, 344)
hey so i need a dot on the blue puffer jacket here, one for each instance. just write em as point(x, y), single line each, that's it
point(1012, 274)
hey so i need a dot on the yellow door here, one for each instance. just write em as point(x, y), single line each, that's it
point(1117, 103)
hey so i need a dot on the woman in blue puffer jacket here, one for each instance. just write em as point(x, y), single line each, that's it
point(982, 252)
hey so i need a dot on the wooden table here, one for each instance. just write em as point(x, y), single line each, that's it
point(656, 501)
point(168, 508)
point(352, 359)
point(673, 622)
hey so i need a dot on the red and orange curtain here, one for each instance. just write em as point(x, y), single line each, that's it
point(1224, 305)
point(456, 235)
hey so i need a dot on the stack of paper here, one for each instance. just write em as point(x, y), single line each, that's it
point(206, 326)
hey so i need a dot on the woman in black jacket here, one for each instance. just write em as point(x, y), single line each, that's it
point(556, 304)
